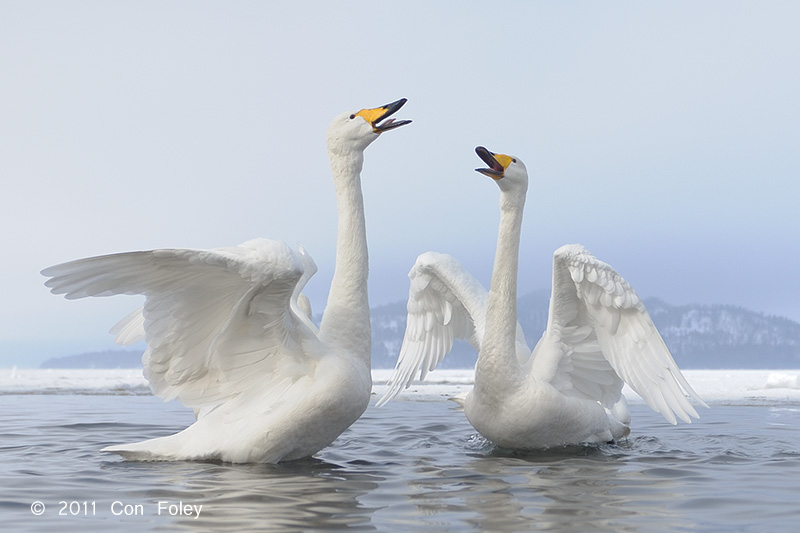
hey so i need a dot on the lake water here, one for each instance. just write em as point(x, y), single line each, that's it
point(414, 465)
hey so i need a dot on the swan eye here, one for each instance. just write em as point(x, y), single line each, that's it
point(352, 116)
point(513, 160)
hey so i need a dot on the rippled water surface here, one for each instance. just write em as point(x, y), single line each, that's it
point(408, 466)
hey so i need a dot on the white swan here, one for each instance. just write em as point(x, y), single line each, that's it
point(568, 391)
point(226, 334)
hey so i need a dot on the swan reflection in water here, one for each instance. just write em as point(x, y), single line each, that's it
point(299, 495)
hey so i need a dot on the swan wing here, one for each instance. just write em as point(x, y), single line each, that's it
point(218, 323)
point(599, 335)
point(445, 302)
point(301, 306)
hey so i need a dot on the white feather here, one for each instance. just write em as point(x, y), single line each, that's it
point(229, 335)
point(568, 390)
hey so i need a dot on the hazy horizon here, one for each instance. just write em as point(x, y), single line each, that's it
point(105, 343)
point(662, 136)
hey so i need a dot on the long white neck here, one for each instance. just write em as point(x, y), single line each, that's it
point(345, 323)
point(497, 357)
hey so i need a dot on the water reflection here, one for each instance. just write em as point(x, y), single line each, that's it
point(408, 466)
point(309, 493)
point(549, 490)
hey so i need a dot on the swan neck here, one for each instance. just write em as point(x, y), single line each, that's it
point(499, 346)
point(345, 322)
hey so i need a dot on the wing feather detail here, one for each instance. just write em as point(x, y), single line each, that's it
point(445, 302)
point(600, 335)
point(218, 323)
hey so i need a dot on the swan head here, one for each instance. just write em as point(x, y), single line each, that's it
point(507, 171)
point(355, 130)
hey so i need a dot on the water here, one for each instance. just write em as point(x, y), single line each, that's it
point(410, 466)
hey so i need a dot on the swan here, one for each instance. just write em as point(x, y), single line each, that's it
point(229, 334)
point(568, 389)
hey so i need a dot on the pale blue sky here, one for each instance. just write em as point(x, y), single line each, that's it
point(664, 136)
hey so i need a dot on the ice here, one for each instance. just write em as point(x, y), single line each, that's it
point(72, 381)
point(742, 386)
point(721, 387)
point(783, 381)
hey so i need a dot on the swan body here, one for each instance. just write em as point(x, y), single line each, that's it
point(229, 333)
point(568, 389)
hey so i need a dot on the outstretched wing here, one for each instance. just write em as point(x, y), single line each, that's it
point(445, 302)
point(599, 334)
point(218, 323)
point(130, 329)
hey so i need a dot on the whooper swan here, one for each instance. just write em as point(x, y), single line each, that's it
point(227, 336)
point(568, 390)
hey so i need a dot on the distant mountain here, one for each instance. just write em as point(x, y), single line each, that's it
point(699, 336)
point(725, 336)
point(105, 359)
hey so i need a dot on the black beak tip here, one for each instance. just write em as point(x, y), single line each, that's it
point(394, 106)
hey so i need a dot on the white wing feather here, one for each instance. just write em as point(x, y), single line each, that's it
point(445, 302)
point(218, 323)
point(603, 336)
point(130, 329)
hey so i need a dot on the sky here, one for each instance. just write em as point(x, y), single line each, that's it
point(663, 136)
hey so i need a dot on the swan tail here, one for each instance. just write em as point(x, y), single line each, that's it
point(460, 399)
point(169, 448)
point(159, 449)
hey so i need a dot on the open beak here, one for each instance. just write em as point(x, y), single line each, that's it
point(376, 115)
point(497, 163)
